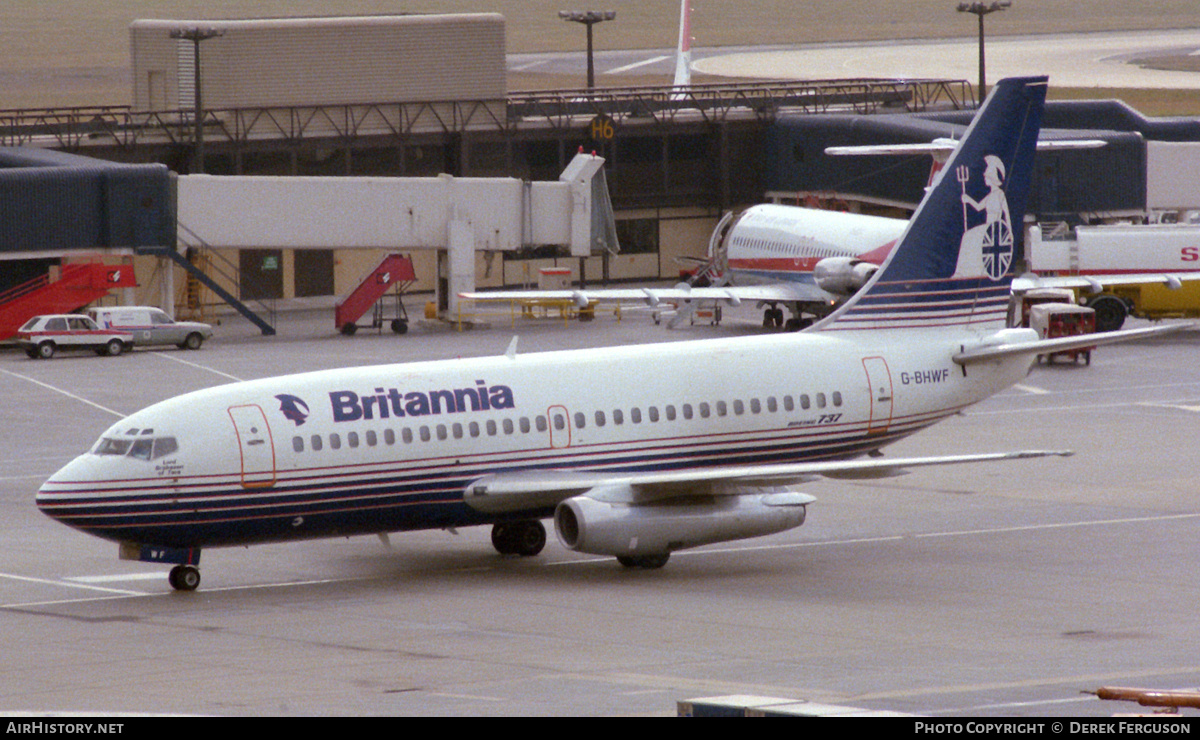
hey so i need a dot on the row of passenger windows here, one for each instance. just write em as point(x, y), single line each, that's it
point(796, 250)
point(557, 417)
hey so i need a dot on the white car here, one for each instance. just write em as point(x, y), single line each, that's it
point(42, 336)
point(150, 325)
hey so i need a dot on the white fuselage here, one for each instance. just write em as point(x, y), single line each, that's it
point(776, 243)
point(386, 448)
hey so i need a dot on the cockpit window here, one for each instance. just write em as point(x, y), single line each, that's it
point(109, 446)
point(142, 448)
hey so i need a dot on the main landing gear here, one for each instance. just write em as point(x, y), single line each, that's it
point(646, 562)
point(184, 578)
point(524, 538)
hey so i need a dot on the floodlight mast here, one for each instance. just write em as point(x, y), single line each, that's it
point(196, 34)
point(588, 18)
point(980, 10)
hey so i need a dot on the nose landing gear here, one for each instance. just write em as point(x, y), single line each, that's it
point(184, 578)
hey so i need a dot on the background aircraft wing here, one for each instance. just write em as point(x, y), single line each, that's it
point(729, 294)
point(1097, 283)
point(533, 489)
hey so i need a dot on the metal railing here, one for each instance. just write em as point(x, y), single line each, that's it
point(125, 128)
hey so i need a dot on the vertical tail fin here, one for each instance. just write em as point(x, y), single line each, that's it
point(953, 265)
point(683, 52)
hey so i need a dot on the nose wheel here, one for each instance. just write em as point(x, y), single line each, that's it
point(184, 578)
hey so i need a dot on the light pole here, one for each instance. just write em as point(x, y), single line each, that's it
point(196, 34)
point(588, 18)
point(980, 10)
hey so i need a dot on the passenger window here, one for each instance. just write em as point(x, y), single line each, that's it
point(524, 425)
point(442, 432)
point(389, 437)
point(652, 412)
point(722, 409)
point(317, 443)
point(457, 429)
point(352, 439)
point(473, 429)
point(739, 408)
point(372, 438)
point(491, 427)
point(755, 406)
point(820, 400)
point(335, 442)
point(618, 416)
point(580, 420)
point(670, 413)
point(298, 444)
point(837, 398)
point(687, 410)
point(788, 404)
point(425, 435)
point(541, 423)
point(635, 415)
point(600, 420)
point(508, 426)
point(704, 411)
point(804, 403)
point(772, 406)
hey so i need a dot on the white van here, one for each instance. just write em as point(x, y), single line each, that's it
point(150, 325)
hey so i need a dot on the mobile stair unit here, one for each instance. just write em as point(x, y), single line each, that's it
point(394, 271)
point(77, 285)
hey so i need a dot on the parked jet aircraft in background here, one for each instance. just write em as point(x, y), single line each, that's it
point(629, 463)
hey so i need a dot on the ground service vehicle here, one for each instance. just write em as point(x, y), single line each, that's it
point(1160, 249)
point(1053, 313)
point(42, 336)
point(151, 326)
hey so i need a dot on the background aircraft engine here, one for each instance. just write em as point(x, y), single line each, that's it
point(597, 527)
point(842, 275)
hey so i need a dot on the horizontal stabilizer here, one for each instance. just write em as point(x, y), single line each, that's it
point(999, 350)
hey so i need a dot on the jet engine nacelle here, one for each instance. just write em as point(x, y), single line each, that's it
point(597, 527)
point(842, 275)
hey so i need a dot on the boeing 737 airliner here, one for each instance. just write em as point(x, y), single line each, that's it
point(635, 452)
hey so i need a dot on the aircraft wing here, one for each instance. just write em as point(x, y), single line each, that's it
point(532, 489)
point(731, 295)
point(1097, 283)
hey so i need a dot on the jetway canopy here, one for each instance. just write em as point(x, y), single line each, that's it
point(52, 202)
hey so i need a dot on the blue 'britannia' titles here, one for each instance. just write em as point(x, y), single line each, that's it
point(385, 404)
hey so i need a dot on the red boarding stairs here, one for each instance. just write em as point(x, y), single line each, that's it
point(77, 284)
point(395, 270)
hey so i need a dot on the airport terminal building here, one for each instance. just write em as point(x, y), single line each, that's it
point(423, 95)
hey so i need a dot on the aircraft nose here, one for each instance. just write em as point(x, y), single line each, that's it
point(50, 496)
